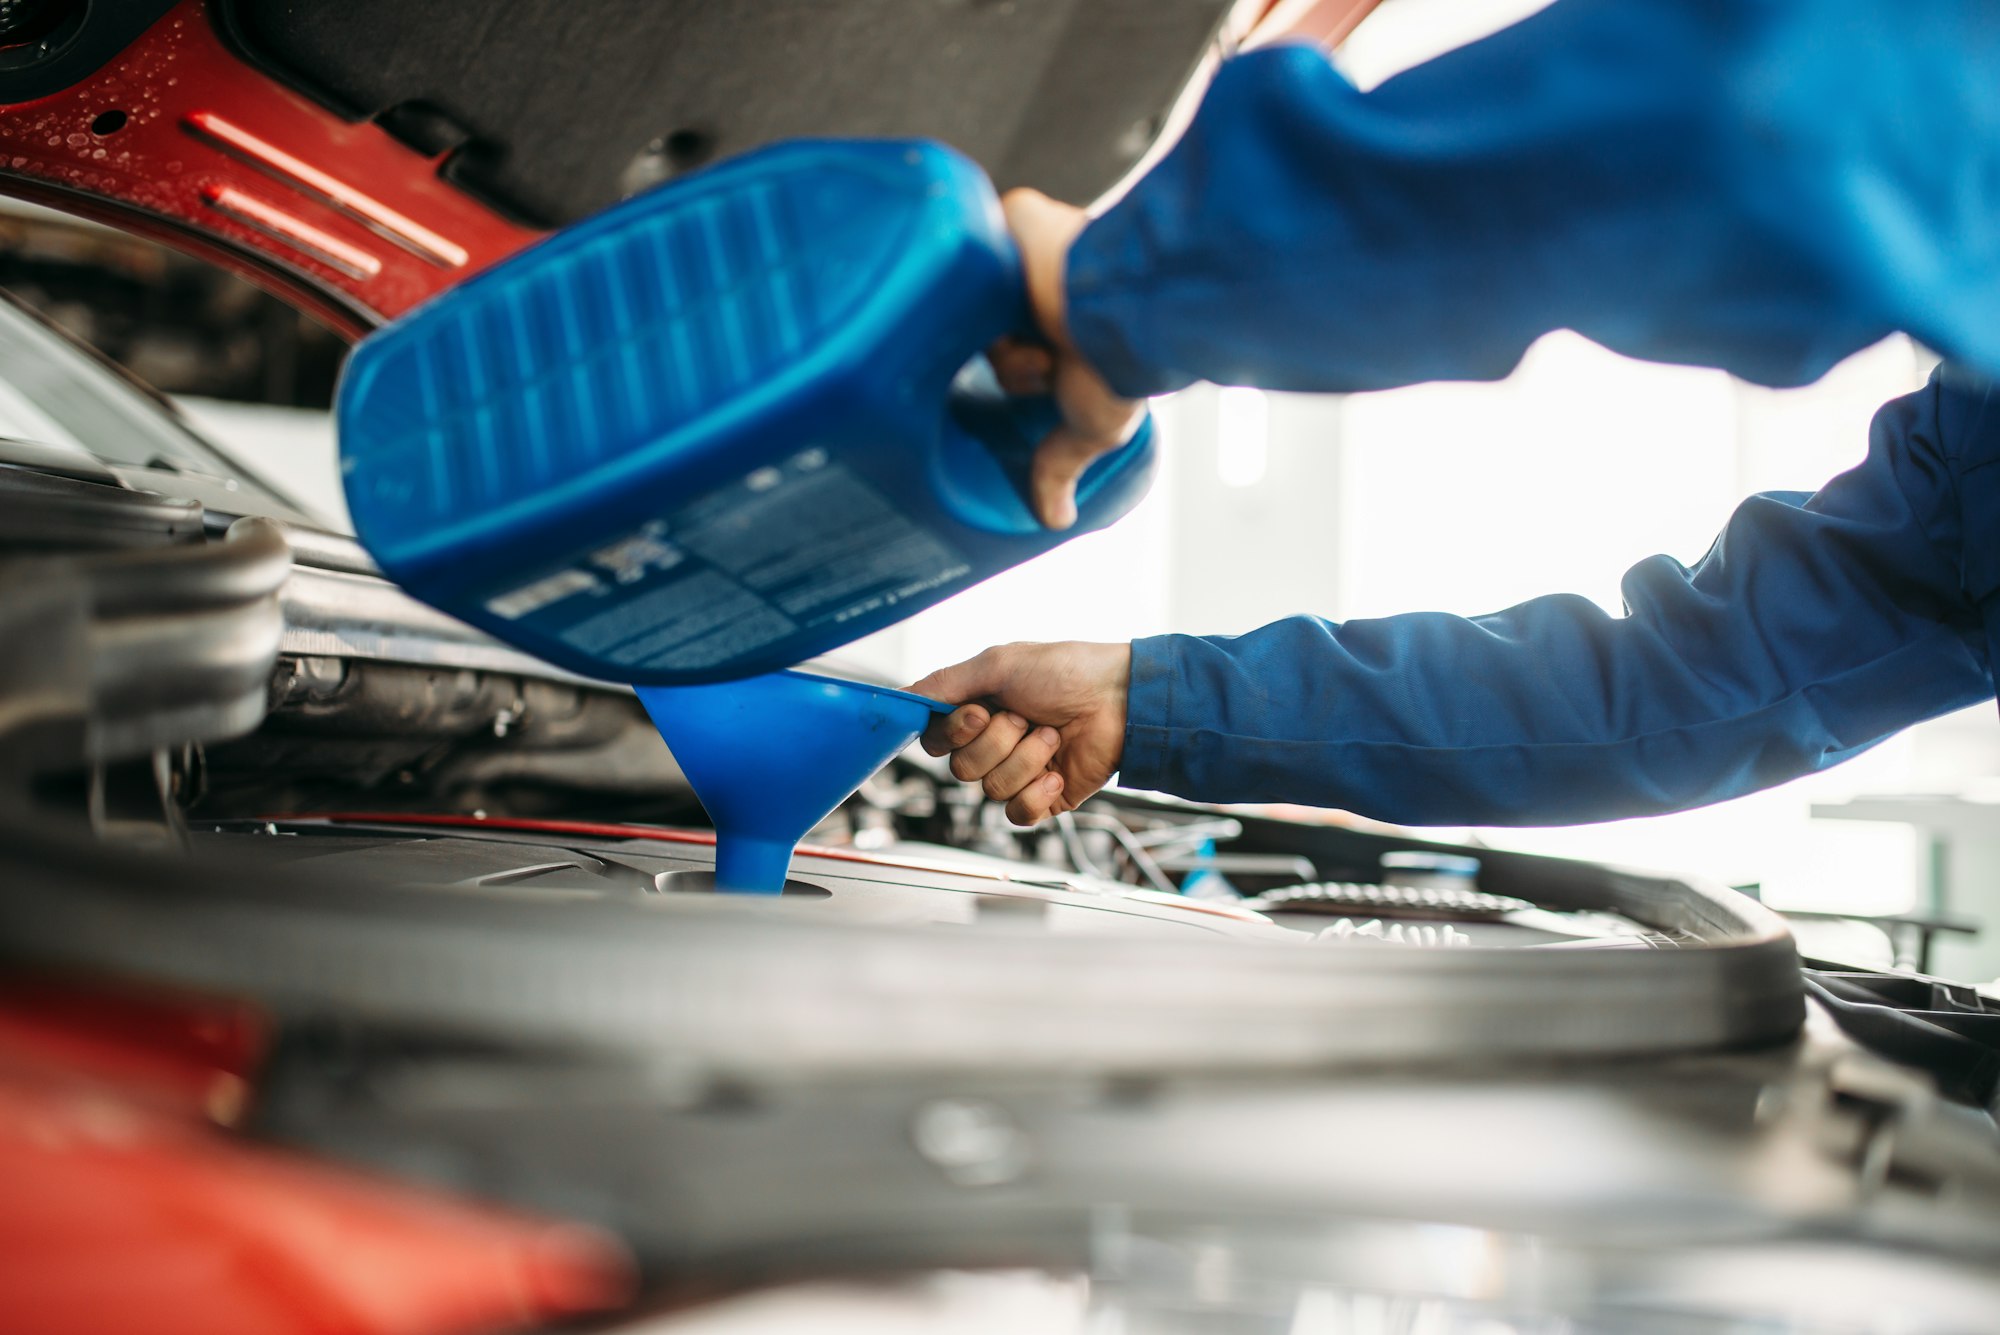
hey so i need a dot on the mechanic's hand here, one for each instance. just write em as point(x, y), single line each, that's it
point(1095, 420)
point(1040, 726)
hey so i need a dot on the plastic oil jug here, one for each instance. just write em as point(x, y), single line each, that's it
point(720, 428)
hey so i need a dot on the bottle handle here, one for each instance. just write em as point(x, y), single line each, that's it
point(987, 454)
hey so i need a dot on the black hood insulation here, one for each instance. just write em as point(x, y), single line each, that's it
point(553, 109)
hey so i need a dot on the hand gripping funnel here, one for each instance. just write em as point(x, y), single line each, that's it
point(770, 756)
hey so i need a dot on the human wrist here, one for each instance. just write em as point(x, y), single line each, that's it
point(1044, 229)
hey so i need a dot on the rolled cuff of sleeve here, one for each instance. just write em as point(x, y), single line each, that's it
point(1151, 758)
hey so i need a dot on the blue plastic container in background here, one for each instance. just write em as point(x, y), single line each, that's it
point(720, 428)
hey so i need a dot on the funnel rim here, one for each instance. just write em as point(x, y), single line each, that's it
point(935, 706)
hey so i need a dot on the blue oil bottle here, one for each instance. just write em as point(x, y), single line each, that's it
point(720, 428)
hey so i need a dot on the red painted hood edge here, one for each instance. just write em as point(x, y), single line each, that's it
point(218, 159)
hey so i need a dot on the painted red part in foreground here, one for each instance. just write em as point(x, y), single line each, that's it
point(125, 1207)
point(220, 159)
point(176, 1051)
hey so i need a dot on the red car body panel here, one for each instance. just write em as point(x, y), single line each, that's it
point(130, 1207)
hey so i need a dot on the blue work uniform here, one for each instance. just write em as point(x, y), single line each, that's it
point(1760, 185)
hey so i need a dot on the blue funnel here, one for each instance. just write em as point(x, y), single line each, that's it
point(770, 756)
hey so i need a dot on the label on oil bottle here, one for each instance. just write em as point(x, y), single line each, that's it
point(794, 545)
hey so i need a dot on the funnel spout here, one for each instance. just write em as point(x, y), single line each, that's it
point(748, 866)
point(770, 757)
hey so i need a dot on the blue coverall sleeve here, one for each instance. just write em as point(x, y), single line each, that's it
point(1760, 185)
point(1815, 627)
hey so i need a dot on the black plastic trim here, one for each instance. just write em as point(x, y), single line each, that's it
point(64, 58)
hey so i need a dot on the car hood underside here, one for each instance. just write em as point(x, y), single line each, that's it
point(359, 156)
